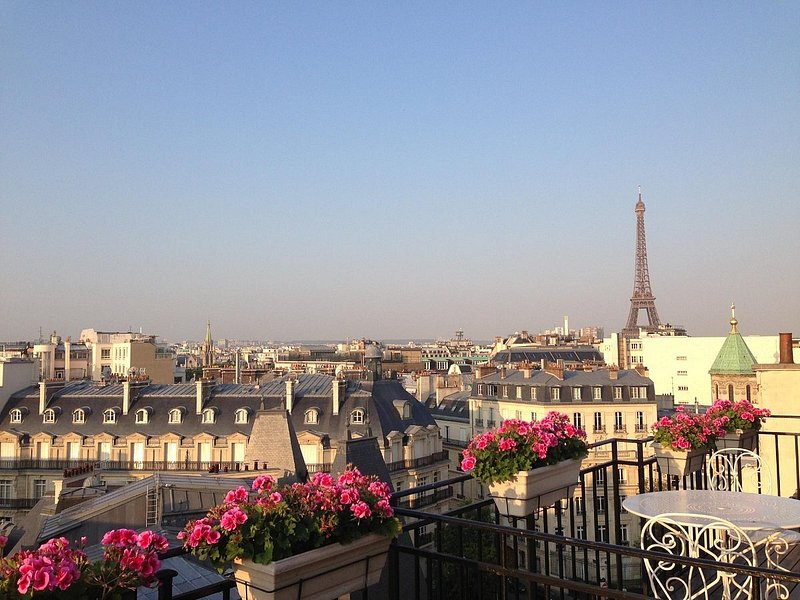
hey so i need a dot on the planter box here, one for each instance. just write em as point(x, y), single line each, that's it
point(671, 462)
point(320, 574)
point(738, 439)
point(535, 489)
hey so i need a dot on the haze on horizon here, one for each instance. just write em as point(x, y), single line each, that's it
point(345, 170)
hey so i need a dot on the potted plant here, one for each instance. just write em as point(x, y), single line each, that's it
point(57, 571)
point(681, 441)
point(315, 540)
point(527, 465)
point(737, 423)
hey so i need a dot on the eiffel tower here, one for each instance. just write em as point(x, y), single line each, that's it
point(642, 298)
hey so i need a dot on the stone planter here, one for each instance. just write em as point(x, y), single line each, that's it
point(320, 574)
point(672, 462)
point(738, 439)
point(535, 489)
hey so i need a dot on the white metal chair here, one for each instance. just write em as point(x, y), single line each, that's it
point(697, 536)
point(738, 470)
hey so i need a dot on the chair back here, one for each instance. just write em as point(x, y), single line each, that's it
point(697, 536)
point(738, 470)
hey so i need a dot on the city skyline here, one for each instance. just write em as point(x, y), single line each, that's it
point(334, 171)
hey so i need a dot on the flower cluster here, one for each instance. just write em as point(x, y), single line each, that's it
point(498, 455)
point(269, 523)
point(683, 431)
point(57, 570)
point(730, 417)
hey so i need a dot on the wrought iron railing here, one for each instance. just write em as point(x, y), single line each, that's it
point(415, 463)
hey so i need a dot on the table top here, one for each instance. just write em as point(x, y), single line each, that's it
point(748, 511)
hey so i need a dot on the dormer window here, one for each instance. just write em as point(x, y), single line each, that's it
point(15, 416)
point(357, 416)
point(208, 416)
point(175, 416)
point(49, 416)
point(407, 411)
point(241, 416)
point(109, 416)
point(142, 416)
point(78, 416)
point(311, 416)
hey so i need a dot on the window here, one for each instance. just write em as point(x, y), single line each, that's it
point(643, 392)
point(730, 392)
point(617, 392)
point(640, 426)
point(602, 533)
point(175, 415)
point(505, 391)
point(577, 420)
point(634, 392)
point(682, 373)
point(534, 393)
point(311, 416)
point(407, 410)
point(142, 416)
point(555, 393)
point(680, 358)
point(683, 388)
point(598, 421)
point(5, 489)
point(623, 475)
point(579, 505)
point(241, 415)
point(208, 416)
point(15, 416)
point(518, 415)
point(492, 390)
point(105, 354)
point(580, 532)
point(78, 416)
point(357, 416)
point(576, 393)
point(601, 504)
point(619, 425)
point(481, 389)
point(600, 477)
point(519, 392)
point(748, 393)
point(533, 415)
point(623, 534)
point(39, 487)
point(49, 416)
point(597, 393)
point(109, 416)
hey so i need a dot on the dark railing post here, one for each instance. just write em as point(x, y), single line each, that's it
point(165, 577)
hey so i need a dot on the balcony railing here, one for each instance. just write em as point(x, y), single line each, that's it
point(66, 464)
point(471, 552)
point(318, 467)
point(454, 442)
point(491, 423)
point(478, 422)
point(415, 463)
point(18, 503)
point(427, 499)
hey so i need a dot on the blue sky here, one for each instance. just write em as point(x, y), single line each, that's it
point(386, 170)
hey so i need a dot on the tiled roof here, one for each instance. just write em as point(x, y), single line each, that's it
point(734, 357)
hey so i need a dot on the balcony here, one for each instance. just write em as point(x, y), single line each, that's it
point(69, 465)
point(491, 424)
point(474, 553)
point(478, 422)
point(448, 441)
point(415, 463)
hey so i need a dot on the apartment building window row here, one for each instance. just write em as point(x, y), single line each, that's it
point(141, 417)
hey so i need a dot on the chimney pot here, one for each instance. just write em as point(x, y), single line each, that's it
point(786, 357)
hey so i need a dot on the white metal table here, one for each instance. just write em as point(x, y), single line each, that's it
point(749, 511)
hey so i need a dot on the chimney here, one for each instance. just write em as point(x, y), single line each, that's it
point(203, 387)
point(67, 358)
point(642, 370)
point(502, 372)
point(556, 370)
point(527, 371)
point(613, 373)
point(126, 396)
point(339, 389)
point(42, 396)
point(786, 357)
point(289, 394)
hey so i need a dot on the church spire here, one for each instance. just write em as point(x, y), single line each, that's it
point(734, 322)
point(208, 347)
